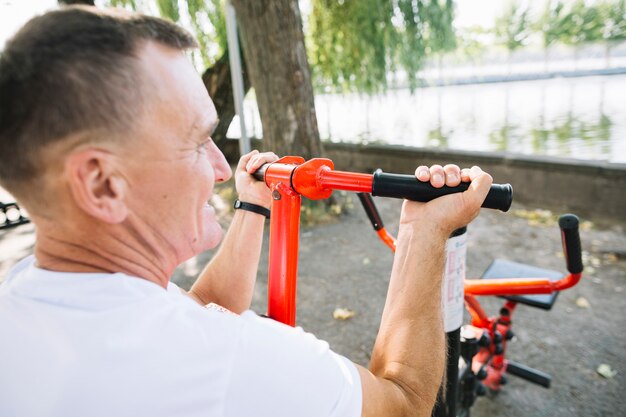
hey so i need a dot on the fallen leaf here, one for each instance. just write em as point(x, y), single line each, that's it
point(343, 314)
point(586, 225)
point(606, 371)
point(582, 302)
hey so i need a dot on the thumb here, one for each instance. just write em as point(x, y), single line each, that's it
point(478, 188)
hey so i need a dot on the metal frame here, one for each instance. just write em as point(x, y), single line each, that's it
point(482, 345)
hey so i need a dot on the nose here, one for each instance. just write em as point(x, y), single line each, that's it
point(221, 167)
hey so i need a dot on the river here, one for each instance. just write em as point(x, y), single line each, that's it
point(581, 118)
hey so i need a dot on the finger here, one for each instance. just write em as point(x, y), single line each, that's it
point(245, 159)
point(437, 176)
point(253, 163)
point(269, 157)
point(259, 160)
point(465, 175)
point(453, 175)
point(474, 172)
point(422, 173)
point(478, 189)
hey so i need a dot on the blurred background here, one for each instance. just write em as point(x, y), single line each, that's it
point(538, 77)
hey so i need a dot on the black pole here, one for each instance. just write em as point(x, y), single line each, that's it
point(448, 395)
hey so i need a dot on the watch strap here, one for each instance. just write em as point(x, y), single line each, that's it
point(254, 208)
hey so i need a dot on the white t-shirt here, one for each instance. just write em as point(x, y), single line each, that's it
point(110, 345)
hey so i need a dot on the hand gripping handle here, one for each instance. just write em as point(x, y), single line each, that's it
point(407, 186)
point(571, 243)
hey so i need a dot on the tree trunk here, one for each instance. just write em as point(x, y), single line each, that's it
point(273, 46)
point(218, 82)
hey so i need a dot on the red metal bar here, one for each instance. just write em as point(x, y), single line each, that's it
point(508, 286)
point(347, 181)
point(283, 263)
point(567, 282)
point(513, 286)
point(479, 317)
point(284, 235)
point(387, 238)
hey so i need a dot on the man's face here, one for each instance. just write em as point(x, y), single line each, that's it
point(172, 166)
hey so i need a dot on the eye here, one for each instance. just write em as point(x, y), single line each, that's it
point(204, 146)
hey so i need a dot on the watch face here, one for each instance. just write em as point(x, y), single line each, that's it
point(237, 204)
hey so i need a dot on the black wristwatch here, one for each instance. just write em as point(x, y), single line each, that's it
point(252, 207)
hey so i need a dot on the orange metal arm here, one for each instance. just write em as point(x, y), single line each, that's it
point(513, 286)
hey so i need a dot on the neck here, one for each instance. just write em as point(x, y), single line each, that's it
point(98, 247)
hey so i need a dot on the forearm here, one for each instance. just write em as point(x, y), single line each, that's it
point(409, 349)
point(228, 280)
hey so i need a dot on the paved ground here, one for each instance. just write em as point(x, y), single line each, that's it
point(342, 264)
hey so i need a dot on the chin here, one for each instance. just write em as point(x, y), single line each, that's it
point(212, 237)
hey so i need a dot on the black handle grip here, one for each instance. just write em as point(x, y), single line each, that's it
point(371, 210)
point(407, 186)
point(571, 243)
point(528, 373)
point(259, 174)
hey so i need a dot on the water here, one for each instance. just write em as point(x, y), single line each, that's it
point(582, 118)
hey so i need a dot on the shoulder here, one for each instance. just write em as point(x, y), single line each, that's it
point(18, 268)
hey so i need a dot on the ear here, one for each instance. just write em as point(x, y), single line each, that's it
point(97, 187)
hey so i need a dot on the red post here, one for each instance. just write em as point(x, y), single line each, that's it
point(283, 263)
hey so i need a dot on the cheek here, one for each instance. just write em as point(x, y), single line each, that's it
point(206, 175)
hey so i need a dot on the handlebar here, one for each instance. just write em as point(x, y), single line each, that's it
point(316, 179)
point(407, 186)
point(571, 243)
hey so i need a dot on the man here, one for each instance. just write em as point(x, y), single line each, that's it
point(105, 139)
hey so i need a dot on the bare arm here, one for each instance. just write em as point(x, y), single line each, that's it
point(228, 280)
point(408, 357)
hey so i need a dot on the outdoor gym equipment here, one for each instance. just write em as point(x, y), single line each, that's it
point(476, 352)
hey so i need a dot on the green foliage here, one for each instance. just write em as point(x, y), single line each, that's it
point(128, 4)
point(570, 23)
point(205, 14)
point(354, 44)
point(614, 17)
point(586, 26)
point(552, 24)
point(204, 18)
point(579, 23)
point(513, 27)
point(470, 42)
point(169, 9)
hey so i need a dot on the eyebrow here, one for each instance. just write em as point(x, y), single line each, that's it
point(211, 129)
point(202, 133)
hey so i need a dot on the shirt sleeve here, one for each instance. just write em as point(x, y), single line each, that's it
point(280, 371)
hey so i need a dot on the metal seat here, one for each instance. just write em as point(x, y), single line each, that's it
point(501, 268)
